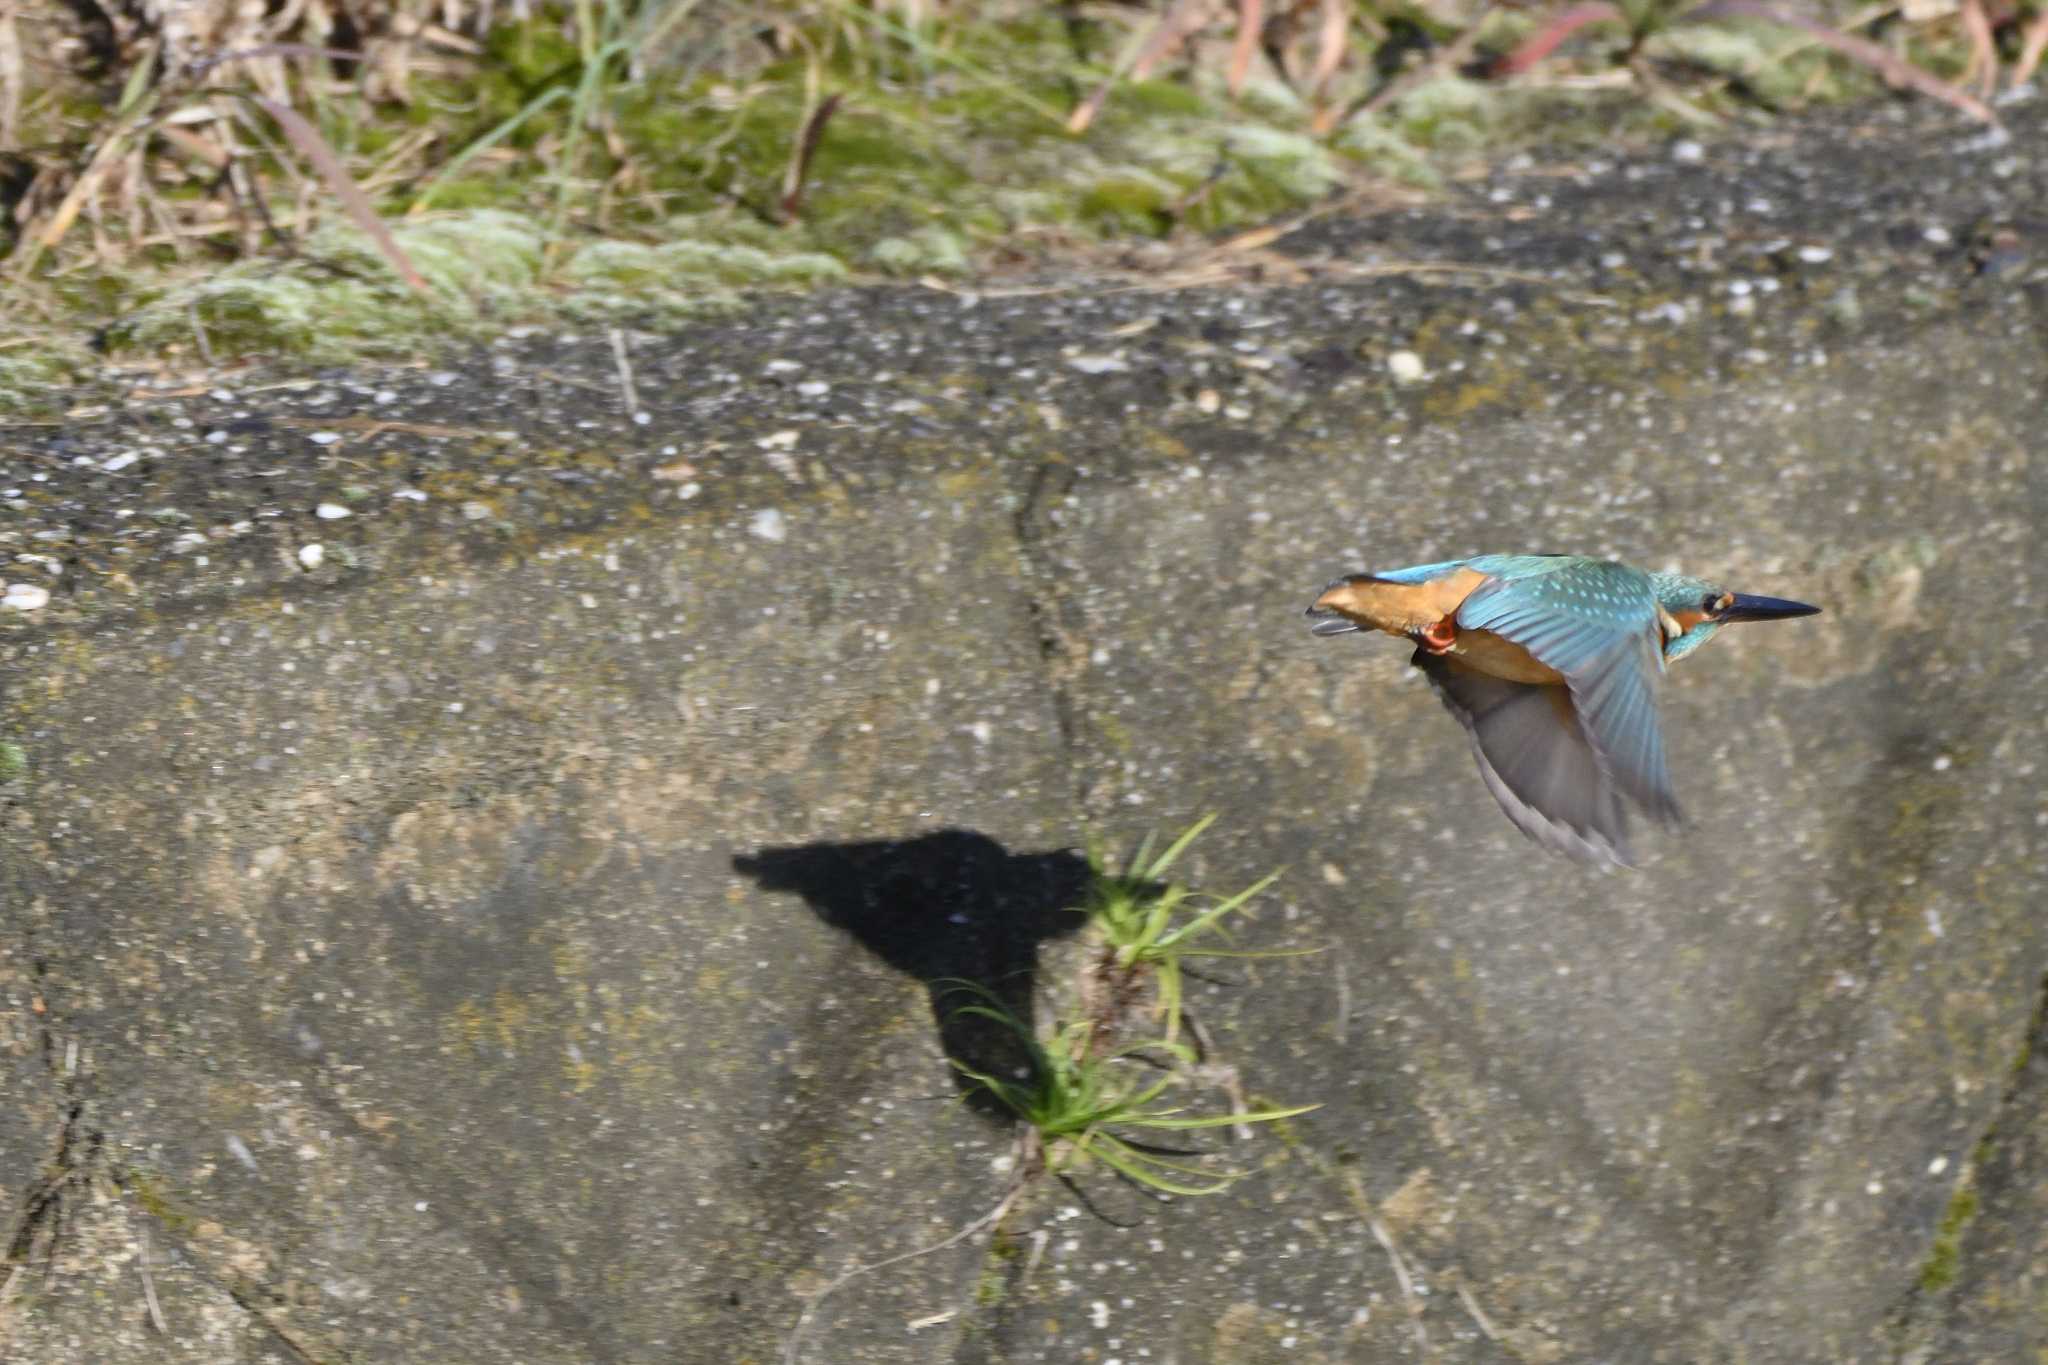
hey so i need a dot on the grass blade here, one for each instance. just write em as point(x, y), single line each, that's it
point(1546, 39)
point(1896, 70)
point(1330, 36)
point(314, 147)
point(1181, 19)
point(1227, 1120)
point(1201, 923)
point(1179, 846)
point(1251, 17)
point(554, 94)
point(2032, 47)
point(1131, 1166)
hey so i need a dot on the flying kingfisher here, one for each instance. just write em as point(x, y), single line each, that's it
point(1551, 663)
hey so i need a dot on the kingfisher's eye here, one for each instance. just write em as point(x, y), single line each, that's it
point(1710, 605)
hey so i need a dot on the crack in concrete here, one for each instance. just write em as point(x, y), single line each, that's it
point(79, 1157)
point(1916, 1318)
point(38, 1222)
point(1060, 653)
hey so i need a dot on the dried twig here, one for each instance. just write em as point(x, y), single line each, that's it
point(800, 155)
point(156, 1312)
point(793, 1352)
point(1409, 1299)
point(625, 365)
point(1182, 19)
point(1471, 1302)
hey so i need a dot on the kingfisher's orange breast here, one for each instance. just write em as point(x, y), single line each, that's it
point(1502, 658)
point(1409, 609)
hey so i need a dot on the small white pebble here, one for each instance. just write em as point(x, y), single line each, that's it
point(1098, 1313)
point(814, 388)
point(782, 367)
point(1098, 364)
point(476, 511)
point(410, 495)
point(1406, 367)
point(25, 597)
point(1937, 235)
point(1816, 255)
point(119, 462)
point(1874, 1187)
point(331, 511)
point(1937, 1166)
point(768, 524)
point(311, 555)
point(1688, 151)
point(1942, 763)
point(324, 438)
point(781, 440)
point(1208, 400)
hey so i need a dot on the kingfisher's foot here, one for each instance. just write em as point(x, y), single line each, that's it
point(1439, 638)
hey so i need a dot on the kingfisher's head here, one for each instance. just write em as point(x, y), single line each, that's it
point(1692, 609)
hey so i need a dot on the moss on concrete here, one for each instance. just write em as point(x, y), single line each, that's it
point(1945, 1257)
point(939, 152)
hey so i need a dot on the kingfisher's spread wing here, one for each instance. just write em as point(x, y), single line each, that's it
point(1595, 622)
point(1534, 758)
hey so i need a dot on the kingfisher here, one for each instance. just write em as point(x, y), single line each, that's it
point(1552, 664)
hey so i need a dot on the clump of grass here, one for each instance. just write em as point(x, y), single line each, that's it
point(1084, 1104)
point(877, 134)
point(1151, 925)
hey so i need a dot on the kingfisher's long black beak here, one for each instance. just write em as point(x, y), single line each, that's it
point(1747, 608)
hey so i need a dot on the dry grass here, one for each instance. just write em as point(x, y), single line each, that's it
point(149, 133)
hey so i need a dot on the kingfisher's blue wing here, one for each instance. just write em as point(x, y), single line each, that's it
point(1595, 622)
point(1534, 758)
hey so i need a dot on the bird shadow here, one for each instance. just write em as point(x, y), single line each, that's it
point(955, 911)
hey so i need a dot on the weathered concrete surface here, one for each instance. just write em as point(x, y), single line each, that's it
point(478, 949)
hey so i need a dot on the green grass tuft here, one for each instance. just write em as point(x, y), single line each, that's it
point(1150, 924)
point(1089, 1106)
